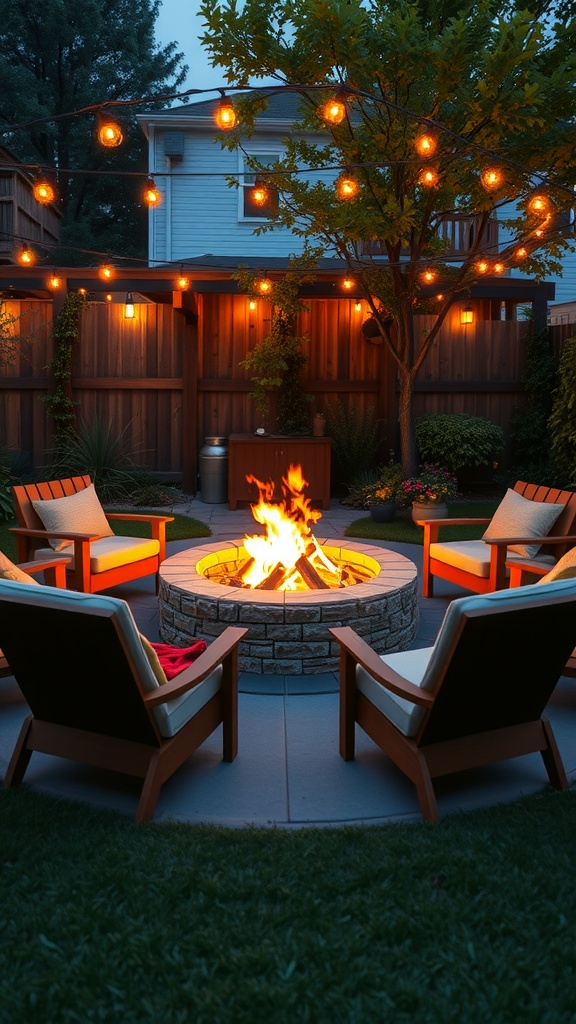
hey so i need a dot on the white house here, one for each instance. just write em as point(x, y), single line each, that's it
point(201, 214)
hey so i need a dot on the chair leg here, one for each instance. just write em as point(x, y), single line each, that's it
point(425, 791)
point(552, 759)
point(347, 705)
point(150, 791)
point(21, 757)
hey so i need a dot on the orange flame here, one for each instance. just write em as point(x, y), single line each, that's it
point(288, 536)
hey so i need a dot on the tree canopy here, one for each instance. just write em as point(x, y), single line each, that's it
point(490, 83)
point(63, 56)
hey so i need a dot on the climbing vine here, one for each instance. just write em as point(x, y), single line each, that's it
point(66, 333)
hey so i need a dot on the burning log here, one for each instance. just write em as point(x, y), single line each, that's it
point(311, 578)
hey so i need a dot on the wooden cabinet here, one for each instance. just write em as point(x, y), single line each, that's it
point(269, 458)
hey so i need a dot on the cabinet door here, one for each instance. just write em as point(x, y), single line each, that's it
point(270, 459)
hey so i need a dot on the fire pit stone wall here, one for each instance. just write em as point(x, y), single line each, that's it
point(288, 631)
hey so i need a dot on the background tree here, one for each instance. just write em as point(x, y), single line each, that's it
point(63, 56)
point(480, 80)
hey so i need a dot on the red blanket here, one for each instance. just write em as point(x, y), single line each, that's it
point(174, 659)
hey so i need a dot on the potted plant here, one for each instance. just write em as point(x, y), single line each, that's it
point(380, 496)
point(428, 492)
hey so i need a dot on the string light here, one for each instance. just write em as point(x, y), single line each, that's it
point(26, 257)
point(499, 268)
point(108, 131)
point(348, 283)
point(259, 193)
point(346, 186)
point(429, 276)
point(491, 178)
point(521, 253)
point(43, 191)
point(182, 282)
point(334, 111)
point(106, 272)
point(54, 282)
point(482, 267)
point(252, 304)
point(263, 285)
point(426, 145)
point(429, 177)
point(539, 204)
point(108, 297)
point(225, 115)
point(151, 193)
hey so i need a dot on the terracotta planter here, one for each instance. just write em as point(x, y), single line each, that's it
point(434, 510)
point(383, 513)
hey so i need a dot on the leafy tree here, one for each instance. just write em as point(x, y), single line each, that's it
point(60, 57)
point(492, 85)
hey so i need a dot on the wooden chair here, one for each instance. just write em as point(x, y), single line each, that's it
point(480, 565)
point(474, 698)
point(94, 696)
point(54, 574)
point(97, 562)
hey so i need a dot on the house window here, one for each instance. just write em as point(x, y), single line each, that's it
point(247, 209)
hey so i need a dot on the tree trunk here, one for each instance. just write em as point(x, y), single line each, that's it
point(408, 449)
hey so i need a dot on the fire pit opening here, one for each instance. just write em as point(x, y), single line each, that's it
point(288, 588)
point(287, 556)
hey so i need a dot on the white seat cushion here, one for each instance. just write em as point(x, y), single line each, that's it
point(473, 556)
point(109, 552)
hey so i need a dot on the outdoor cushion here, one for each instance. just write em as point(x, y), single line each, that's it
point(75, 513)
point(108, 552)
point(9, 571)
point(424, 666)
point(473, 556)
point(564, 569)
point(517, 516)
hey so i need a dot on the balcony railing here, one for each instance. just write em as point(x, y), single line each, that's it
point(460, 232)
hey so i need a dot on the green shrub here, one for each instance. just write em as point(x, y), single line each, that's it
point(530, 440)
point(107, 457)
point(458, 440)
point(562, 421)
point(374, 486)
point(355, 440)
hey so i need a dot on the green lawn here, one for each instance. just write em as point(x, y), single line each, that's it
point(402, 529)
point(466, 921)
point(182, 528)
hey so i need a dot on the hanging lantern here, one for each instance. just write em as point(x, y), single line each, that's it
point(259, 193)
point(225, 115)
point(151, 194)
point(26, 257)
point(263, 285)
point(357, 307)
point(108, 131)
point(428, 177)
point(43, 191)
point(346, 186)
point(491, 178)
point(252, 304)
point(129, 307)
point(182, 282)
point(466, 315)
point(106, 272)
point(426, 145)
point(334, 111)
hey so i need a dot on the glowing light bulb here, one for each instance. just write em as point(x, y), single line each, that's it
point(346, 187)
point(491, 178)
point(43, 192)
point(26, 257)
point(334, 111)
point(482, 267)
point(225, 115)
point(109, 133)
point(429, 276)
point(106, 272)
point(426, 145)
point(428, 177)
point(151, 193)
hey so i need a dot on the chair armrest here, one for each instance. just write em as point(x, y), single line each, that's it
point(137, 518)
point(221, 648)
point(40, 566)
point(432, 526)
point(530, 540)
point(362, 654)
point(24, 531)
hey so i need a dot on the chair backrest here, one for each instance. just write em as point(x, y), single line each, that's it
point(24, 494)
point(566, 522)
point(497, 659)
point(78, 660)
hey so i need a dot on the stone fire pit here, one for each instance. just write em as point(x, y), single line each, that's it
point(289, 629)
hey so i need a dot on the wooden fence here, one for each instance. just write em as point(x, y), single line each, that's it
point(170, 380)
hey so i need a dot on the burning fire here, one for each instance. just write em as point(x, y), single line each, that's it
point(287, 556)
